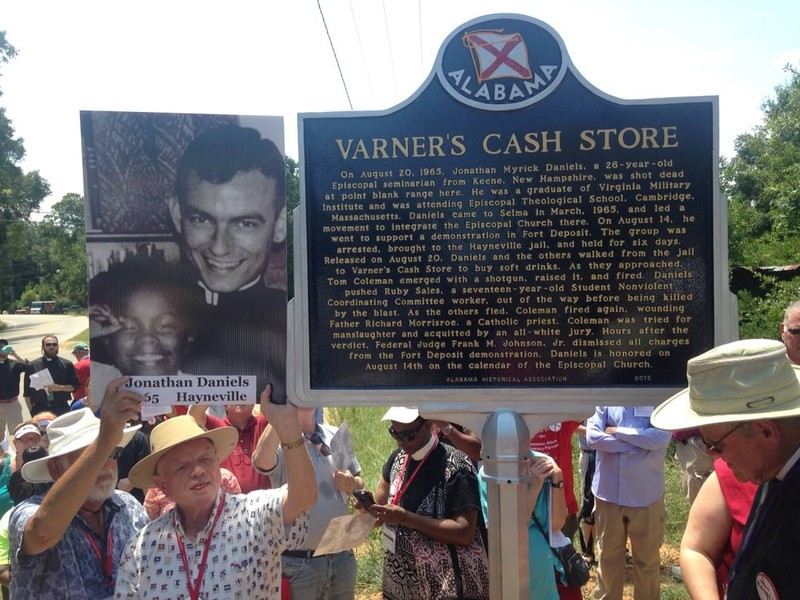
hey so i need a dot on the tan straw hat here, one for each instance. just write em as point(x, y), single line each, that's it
point(69, 432)
point(740, 381)
point(173, 432)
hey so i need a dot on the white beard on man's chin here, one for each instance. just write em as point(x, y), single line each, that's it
point(103, 490)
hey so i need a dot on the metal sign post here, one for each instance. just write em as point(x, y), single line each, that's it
point(506, 458)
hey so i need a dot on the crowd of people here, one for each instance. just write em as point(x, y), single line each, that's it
point(233, 501)
point(236, 506)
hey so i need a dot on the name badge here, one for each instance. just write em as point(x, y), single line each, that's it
point(389, 537)
point(643, 411)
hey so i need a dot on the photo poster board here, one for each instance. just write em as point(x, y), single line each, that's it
point(186, 254)
point(510, 236)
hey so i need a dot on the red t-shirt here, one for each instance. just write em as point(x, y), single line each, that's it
point(739, 498)
point(556, 442)
point(240, 461)
point(82, 369)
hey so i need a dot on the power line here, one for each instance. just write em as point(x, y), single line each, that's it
point(389, 41)
point(335, 57)
point(361, 48)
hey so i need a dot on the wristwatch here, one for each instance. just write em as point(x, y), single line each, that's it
point(447, 429)
point(560, 484)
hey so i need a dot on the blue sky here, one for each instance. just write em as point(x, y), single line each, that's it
point(274, 58)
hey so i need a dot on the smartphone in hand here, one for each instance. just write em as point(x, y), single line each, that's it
point(364, 498)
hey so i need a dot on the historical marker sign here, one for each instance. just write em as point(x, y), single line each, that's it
point(511, 228)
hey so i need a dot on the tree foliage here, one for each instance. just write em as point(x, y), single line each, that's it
point(38, 261)
point(292, 202)
point(762, 182)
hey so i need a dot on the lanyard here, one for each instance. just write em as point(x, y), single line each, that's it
point(107, 564)
point(401, 474)
point(194, 588)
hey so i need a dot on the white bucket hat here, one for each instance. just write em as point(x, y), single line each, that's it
point(740, 381)
point(401, 414)
point(69, 432)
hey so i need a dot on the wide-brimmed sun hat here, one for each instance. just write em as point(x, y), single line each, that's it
point(741, 381)
point(176, 431)
point(401, 414)
point(69, 432)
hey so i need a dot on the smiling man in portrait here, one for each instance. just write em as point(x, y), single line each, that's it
point(229, 211)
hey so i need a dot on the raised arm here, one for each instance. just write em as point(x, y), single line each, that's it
point(74, 483)
point(301, 493)
point(199, 414)
point(466, 441)
point(265, 455)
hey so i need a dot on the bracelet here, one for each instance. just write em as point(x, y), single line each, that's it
point(560, 484)
point(298, 443)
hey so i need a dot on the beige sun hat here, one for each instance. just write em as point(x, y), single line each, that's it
point(69, 432)
point(176, 431)
point(740, 381)
point(401, 414)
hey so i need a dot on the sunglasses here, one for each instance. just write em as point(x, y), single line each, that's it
point(406, 435)
point(713, 446)
point(317, 440)
point(792, 330)
point(50, 344)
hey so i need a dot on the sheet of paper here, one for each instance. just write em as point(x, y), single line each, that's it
point(342, 448)
point(345, 533)
point(153, 410)
point(41, 379)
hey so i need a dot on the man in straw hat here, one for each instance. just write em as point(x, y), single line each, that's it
point(213, 545)
point(67, 543)
point(745, 399)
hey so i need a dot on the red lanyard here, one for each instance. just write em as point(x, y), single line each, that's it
point(108, 564)
point(404, 486)
point(194, 589)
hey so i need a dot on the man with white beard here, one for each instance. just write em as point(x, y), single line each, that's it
point(68, 542)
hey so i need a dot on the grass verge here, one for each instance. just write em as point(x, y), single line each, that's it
point(373, 446)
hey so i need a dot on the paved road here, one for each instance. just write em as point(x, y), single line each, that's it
point(25, 333)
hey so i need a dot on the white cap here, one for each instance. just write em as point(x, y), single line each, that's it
point(401, 414)
point(25, 429)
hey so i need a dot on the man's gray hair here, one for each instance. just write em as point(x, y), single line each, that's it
point(790, 309)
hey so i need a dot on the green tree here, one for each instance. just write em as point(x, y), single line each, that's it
point(20, 194)
point(762, 182)
point(57, 246)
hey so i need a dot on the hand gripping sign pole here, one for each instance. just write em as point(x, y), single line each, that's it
point(506, 458)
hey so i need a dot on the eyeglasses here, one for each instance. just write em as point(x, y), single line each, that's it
point(713, 446)
point(792, 330)
point(115, 454)
point(406, 435)
point(51, 344)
